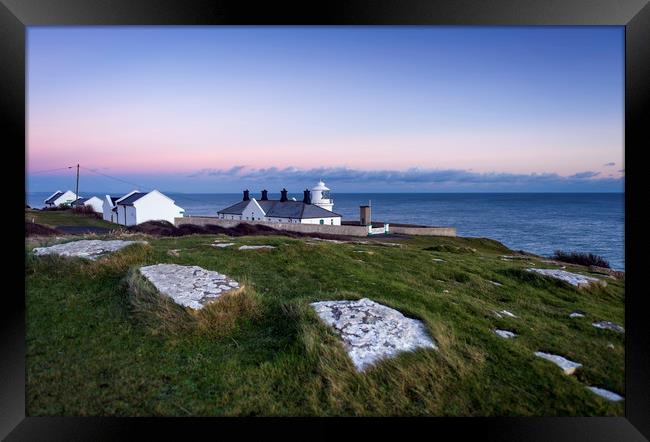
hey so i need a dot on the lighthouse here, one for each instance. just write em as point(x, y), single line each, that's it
point(320, 196)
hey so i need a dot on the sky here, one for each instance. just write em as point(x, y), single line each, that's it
point(369, 109)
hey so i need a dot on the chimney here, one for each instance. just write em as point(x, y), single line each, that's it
point(306, 196)
point(365, 215)
point(246, 197)
point(283, 195)
point(265, 195)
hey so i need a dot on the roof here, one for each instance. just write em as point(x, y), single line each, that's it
point(320, 186)
point(54, 197)
point(79, 201)
point(128, 201)
point(237, 209)
point(283, 209)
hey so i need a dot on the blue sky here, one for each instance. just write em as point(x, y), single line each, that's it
point(216, 109)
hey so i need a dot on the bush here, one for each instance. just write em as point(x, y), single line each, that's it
point(85, 210)
point(585, 259)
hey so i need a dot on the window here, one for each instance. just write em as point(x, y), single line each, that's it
point(332, 221)
point(322, 221)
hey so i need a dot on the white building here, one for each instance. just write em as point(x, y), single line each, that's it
point(109, 209)
point(282, 210)
point(139, 207)
point(58, 198)
point(93, 202)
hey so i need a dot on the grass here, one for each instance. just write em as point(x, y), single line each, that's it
point(100, 341)
point(64, 218)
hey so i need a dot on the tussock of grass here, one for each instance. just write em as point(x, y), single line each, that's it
point(158, 313)
point(450, 249)
point(222, 316)
point(162, 316)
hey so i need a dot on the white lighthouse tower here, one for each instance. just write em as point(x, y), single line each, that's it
point(320, 196)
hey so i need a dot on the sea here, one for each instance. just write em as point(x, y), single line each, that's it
point(540, 223)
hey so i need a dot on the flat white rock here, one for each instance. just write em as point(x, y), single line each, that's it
point(371, 331)
point(222, 245)
point(189, 286)
point(575, 279)
point(505, 333)
point(576, 315)
point(607, 325)
point(255, 247)
point(507, 313)
point(606, 394)
point(87, 248)
point(566, 365)
point(498, 284)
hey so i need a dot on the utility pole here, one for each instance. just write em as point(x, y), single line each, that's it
point(77, 189)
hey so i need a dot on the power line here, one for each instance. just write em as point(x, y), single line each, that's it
point(183, 196)
point(49, 170)
point(134, 184)
point(117, 179)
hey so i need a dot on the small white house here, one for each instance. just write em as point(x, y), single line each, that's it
point(58, 198)
point(139, 207)
point(93, 202)
point(283, 210)
point(108, 208)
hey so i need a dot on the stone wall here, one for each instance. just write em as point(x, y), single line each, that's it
point(429, 231)
point(315, 228)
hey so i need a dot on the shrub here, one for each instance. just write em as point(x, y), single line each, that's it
point(85, 210)
point(585, 259)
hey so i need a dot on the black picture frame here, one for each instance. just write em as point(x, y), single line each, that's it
point(16, 15)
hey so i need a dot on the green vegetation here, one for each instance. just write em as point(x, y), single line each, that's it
point(54, 218)
point(585, 259)
point(100, 341)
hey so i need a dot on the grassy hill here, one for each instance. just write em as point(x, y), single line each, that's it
point(97, 346)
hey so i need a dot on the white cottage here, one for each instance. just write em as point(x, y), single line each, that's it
point(109, 209)
point(58, 198)
point(93, 202)
point(139, 207)
point(283, 210)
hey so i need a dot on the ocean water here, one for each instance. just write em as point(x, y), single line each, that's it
point(536, 222)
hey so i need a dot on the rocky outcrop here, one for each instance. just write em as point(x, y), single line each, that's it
point(575, 279)
point(87, 248)
point(609, 395)
point(255, 247)
point(189, 286)
point(371, 331)
point(505, 334)
point(567, 366)
point(607, 325)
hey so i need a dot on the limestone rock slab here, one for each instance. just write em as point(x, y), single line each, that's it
point(87, 248)
point(576, 315)
point(505, 334)
point(566, 365)
point(607, 325)
point(609, 395)
point(371, 331)
point(255, 247)
point(189, 286)
point(575, 279)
